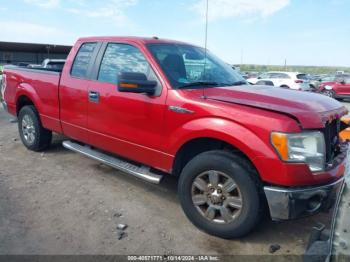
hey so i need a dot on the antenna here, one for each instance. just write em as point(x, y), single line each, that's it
point(206, 39)
point(206, 27)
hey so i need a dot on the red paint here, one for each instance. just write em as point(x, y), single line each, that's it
point(340, 89)
point(143, 129)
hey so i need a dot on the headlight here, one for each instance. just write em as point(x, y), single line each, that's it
point(306, 147)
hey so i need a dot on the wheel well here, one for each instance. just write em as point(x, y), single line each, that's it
point(284, 86)
point(199, 145)
point(23, 101)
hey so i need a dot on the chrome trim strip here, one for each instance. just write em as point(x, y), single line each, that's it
point(140, 172)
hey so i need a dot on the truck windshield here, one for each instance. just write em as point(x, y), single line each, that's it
point(187, 66)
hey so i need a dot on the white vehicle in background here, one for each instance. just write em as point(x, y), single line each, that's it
point(50, 64)
point(53, 64)
point(292, 80)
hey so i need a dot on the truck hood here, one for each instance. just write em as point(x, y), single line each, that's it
point(309, 109)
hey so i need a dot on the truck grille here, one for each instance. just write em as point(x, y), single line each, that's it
point(331, 135)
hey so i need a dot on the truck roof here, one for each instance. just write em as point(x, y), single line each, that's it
point(143, 40)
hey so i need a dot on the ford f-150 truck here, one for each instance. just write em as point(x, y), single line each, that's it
point(152, 107)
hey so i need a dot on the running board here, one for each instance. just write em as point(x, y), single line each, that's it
point(142, 172)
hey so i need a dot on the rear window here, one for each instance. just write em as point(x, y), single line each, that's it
point(82, 60)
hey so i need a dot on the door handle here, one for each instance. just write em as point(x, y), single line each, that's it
point(94, 96)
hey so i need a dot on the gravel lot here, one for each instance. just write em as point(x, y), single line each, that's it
point(60, 202)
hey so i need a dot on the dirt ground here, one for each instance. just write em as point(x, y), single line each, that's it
point(60, 202)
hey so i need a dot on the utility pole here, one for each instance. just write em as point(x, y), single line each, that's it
point(285, 64)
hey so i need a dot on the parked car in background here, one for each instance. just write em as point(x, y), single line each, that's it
point(54, 64)
point(50, 64)
point(251, 75)
point(339, 88)
point(34, 66)
point(23, 64)
point(292, 80)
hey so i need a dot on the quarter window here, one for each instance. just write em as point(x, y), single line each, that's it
point(82, 60)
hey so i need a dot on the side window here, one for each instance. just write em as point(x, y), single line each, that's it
point(274, 75)
point(82, 60)
point(123, 58)
point(347, 80)
point(283, 76)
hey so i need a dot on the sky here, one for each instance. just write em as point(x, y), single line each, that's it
point(302, 32)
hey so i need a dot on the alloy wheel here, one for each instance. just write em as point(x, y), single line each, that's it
point(216, 197)
point(28, 129)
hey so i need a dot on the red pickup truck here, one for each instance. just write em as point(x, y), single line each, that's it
point(153, 107)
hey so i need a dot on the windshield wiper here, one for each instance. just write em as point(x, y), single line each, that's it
point(199, 83)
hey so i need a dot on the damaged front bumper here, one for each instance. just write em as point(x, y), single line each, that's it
point(291, 203)
point(285, 204)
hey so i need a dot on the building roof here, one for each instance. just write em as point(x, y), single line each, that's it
point(32, 47)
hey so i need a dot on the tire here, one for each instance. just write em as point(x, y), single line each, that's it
point(284, 86)
point(232, 167)
point(33, 135)
point(329, 93)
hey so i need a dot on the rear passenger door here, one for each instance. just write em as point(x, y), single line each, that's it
point(127, 124)
point(73, 91)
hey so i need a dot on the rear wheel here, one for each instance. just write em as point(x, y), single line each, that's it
point(33, 135)
point(219, 195)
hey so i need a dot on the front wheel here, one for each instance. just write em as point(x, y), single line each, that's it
point(33, 135)
point(219, 195)
point(329, 93)
point(284, 86)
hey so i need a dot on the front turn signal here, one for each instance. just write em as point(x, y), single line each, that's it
point(280, 143)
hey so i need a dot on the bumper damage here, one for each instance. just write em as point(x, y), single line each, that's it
point(285, 203)
point(290, 203)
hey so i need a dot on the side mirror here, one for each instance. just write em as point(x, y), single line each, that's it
point(342, 81)
point(136, 83)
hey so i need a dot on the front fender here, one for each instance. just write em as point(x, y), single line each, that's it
point(222, 129)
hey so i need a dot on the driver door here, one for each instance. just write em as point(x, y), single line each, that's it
point(127, 124)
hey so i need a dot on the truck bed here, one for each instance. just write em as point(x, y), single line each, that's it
point(39, 85)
